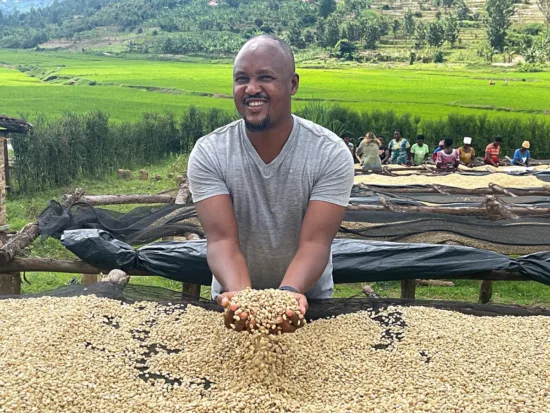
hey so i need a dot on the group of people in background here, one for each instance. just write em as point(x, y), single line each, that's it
point(372, 152)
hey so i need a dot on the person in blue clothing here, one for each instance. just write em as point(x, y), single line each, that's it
point(436, 150)
point(522, 155)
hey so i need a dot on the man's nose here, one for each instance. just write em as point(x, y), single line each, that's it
point(253, 88)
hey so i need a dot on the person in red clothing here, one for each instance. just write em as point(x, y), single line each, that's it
point(492, 151)
point(447, 158)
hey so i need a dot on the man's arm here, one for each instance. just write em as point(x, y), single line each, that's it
point(224, 255)
point(320, 225)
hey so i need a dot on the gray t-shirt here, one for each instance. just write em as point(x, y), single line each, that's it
point(270, 201)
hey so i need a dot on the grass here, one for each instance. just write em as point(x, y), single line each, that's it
point(429, 91)
point(23, 209)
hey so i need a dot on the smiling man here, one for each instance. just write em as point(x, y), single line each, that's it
point(270, 189)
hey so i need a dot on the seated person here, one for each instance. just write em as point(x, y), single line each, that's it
point(492, 151)
point(466, 153)
point(522, 155)
point(436, 150)
point(447, 159)
point(419, 151)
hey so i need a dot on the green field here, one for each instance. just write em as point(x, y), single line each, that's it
point(126, 87)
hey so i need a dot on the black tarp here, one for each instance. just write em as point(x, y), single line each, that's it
point(353, 260)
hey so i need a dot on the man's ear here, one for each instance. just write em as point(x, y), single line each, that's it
point(295, 83)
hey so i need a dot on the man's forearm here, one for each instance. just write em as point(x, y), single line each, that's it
point(307, 266)
point(227, 263)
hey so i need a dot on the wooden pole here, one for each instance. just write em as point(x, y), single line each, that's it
point(6, 164)
point(10, 282)
point(408, 289)
point(485, 291)
point(18, 243)
point(87, 279)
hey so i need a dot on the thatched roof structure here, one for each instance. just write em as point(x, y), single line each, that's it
point(13, 125)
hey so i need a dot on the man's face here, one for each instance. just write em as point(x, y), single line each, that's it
point(346, 139)
point(396, 134)
point(381, 140)
point(420, 142)
point(263, 83)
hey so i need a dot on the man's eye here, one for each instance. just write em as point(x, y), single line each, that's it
point(240, 79)
point(266, 77)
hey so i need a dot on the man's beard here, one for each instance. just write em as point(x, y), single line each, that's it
point(259, 126)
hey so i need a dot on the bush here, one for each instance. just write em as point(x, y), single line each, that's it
point(439, 56)
point(530, 68)
point(386, 7)
point(417, 14)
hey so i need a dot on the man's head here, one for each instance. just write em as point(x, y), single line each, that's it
point(498, 141)
point(525, 146)
point(448, 143)
point(381, 139)
point(264, 80)
point(467, 141)
point(397, 134)
point(420, 140)
point(346, 138)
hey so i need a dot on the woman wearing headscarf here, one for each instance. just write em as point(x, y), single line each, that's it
point(466, 153)
point(400, 149)
point(368, 153)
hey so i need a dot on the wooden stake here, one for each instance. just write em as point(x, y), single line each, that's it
point(10, 282)
point(144, 175)
point(485, 291)
point(87, 279)
point(408, 289)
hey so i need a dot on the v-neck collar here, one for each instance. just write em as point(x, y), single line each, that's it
point(267, 168)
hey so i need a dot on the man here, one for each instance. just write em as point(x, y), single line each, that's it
point(351, 148)
point(466, 153)
point(447, 159)
point(492, 151)
point(522, 155)
point(419, 151)
point(383, 150)
point(270, 189)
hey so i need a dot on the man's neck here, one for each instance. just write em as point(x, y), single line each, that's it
point(269, 143)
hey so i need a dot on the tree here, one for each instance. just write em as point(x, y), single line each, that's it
point(372, 33)
point(408, 23)
point(452, 29)
point(332, 32)
point(420, 35)
point(395, 27)
point(544, 6)
point(326, 7)
point(435, 35)
point(345, 49)
point(295, 37)
point(447, 4)
point(499, 13)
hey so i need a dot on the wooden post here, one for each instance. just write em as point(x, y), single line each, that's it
point(87, 279)
point(144, 175)
point(408, 289)
point(6, 163)
point(10, 283)
point(485, 291)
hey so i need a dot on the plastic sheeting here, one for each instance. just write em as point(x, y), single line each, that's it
point(353, 260)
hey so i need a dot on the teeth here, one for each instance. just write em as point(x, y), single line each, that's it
point(256, 103)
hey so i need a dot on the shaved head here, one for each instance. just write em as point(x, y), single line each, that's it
point(269, 38)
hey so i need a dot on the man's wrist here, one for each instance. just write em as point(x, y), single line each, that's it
point(289, 288)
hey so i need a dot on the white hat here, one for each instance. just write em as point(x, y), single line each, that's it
point(467, 141)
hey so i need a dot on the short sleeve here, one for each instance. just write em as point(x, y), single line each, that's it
point(439, 157)
point(335, 181)
point(407, 144)
point(473, 152)
point(204, 173)
point(413, 148)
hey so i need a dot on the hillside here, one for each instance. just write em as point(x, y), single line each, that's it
point(373, 30)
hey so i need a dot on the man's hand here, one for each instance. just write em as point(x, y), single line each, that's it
point(292, 321)
point(289, 322)
point(229, 316)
